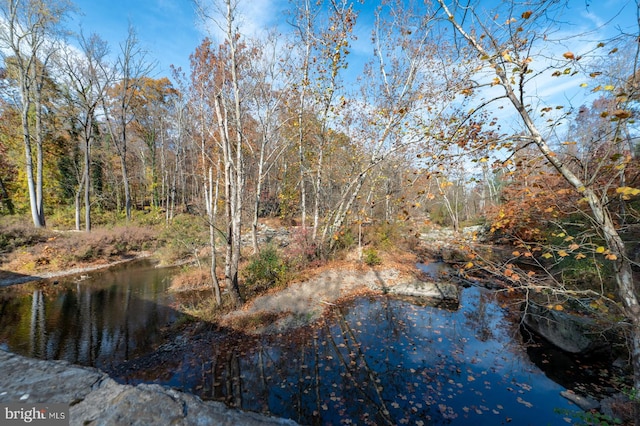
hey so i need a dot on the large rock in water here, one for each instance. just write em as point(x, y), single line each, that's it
point(432, 290)
point(570, 333)
point(96, 399)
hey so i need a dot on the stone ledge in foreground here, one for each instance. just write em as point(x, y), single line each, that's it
point(96, 399)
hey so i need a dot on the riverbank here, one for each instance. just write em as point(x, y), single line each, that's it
point(8, 278)
point(94, 398)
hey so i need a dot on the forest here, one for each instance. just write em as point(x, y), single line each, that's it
point(508, 115)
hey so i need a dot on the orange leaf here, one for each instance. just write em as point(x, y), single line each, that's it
point(568, 55)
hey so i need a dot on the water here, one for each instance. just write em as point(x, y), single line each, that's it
point(99, 320)
point(374, 360)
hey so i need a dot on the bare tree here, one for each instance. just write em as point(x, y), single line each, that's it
point(132, 64)
point(267, 102)
point(87, 77)
point(230, 121)
point(508, 44)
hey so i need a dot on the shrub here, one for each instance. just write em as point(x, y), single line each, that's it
point(15, 234)
point(265, 270)
point(385, 235)
point(301, 251)
point(346, 239)
point(370, 257)
point(185, 237)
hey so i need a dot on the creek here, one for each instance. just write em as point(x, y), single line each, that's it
point(371, 360)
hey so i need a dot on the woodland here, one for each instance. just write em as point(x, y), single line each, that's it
point(446, 123)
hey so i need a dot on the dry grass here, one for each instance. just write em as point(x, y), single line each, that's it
point(191, 279)
point(31, 251)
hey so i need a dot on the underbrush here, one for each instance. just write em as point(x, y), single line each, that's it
point(191, 279)
point(186, 237)
point(16, 234)
point(264, 271)
point(102, 242)
point(26, 249)
point(203, 306)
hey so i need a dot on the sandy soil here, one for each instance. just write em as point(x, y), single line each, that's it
point(304, 302)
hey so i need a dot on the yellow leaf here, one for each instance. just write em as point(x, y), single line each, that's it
point(609, 87)
point(627, 190)
point(558, 308)
point(574, 246)
point(547, 255)
point(600, 249)
point(469, 265)
point(584, 85)
point(611, 256)
point(563, 253)
point(580, 256)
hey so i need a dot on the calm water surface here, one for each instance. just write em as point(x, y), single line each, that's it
point(373, 360)
point(100, 319)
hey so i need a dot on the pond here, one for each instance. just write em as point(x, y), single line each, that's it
point(372, 360)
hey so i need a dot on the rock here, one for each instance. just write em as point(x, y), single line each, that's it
point(94, 398)
point(618, 406)
point(570, 333)
point(584, 402)
point(434, 290)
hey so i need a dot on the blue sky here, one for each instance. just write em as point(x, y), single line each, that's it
point(166, 28)
point(170, 29)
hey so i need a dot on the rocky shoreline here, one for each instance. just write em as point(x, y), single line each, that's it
point(96, 399)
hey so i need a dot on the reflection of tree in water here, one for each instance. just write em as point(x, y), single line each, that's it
point(373, 361)
point(98, 322)
point(479, 319)
point(37, 334)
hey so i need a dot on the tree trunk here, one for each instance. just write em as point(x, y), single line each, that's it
point(623, 272)
point(87, 187)
point(31, 185)
point(212, 210)
point(256, 201)
point(230, 191)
